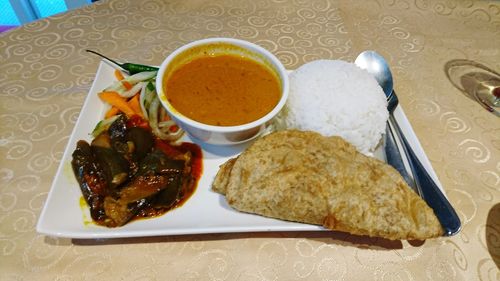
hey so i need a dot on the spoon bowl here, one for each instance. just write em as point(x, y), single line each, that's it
point(377, 66)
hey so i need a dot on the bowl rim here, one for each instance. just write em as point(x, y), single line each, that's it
point(252, 47)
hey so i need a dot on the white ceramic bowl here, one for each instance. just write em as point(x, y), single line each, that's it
point(222, 135)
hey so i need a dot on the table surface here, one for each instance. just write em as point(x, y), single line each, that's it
point(45, 76)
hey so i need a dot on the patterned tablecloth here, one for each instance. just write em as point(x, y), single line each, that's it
point(45, 75)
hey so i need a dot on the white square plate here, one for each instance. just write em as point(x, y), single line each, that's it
point(205, 212)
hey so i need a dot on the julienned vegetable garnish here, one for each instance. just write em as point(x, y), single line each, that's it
point(136, 95)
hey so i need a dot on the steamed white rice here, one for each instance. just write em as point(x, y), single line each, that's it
point(336, 98)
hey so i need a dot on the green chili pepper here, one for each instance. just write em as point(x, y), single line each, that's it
point(132, 68)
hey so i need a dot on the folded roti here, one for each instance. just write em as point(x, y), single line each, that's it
point(306, 177)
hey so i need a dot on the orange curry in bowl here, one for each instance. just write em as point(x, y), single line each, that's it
point(222, 89)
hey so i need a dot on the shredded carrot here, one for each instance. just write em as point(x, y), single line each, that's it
point(119, 75)
point(111, 112)
point(135, 105)
point(127, 85)
point(114, 99)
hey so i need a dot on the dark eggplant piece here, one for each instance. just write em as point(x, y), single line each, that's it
point(102, 140)
point(143, 142)
point(133, 143)
point(158, 162)
point(114, 165)
point(173, 192)
point(118, 135)
point(120, 211)
point(118, 129)
point(155, 173)
point(91, 179)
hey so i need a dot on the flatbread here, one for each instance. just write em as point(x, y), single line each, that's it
point(306, 177)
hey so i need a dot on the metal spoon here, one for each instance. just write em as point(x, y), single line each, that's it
point(376, 65)
point(369, 61)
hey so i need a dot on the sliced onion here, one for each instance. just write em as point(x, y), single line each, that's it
point(136, 88)
point(132, 80)
point(116, 87)
point(142, 99)
point(163, 113)
point(166, 124)
point(139, 77)
point(164, 133)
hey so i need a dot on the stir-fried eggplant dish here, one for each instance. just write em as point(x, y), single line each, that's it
point(126, 172)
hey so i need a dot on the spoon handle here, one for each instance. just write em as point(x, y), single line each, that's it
point(428, 189)
point(393, 154)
